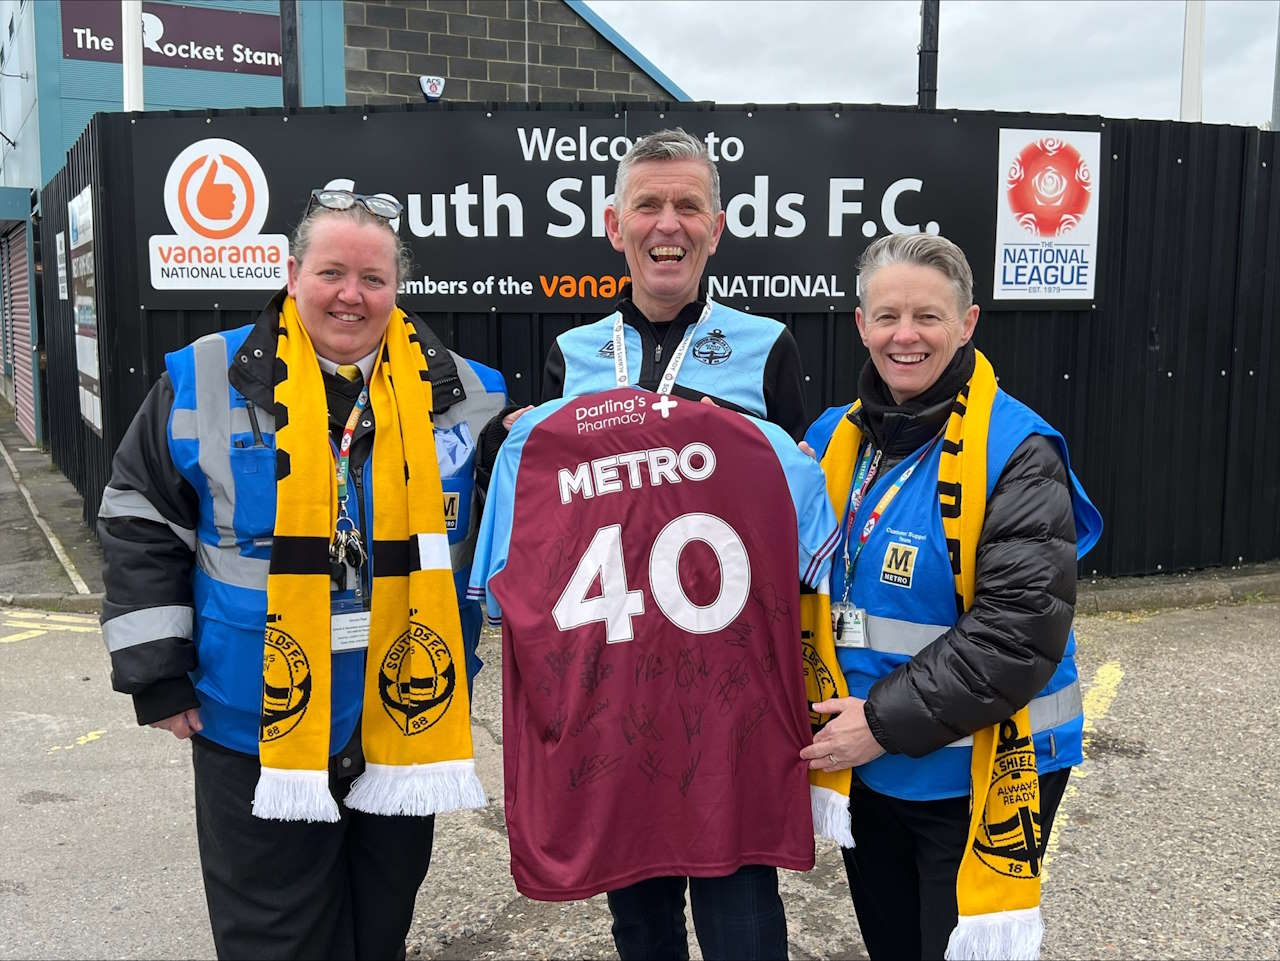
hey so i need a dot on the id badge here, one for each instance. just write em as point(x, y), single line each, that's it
point(850, 628)
point(348, 623)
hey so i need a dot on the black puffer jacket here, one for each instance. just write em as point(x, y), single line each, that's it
point(1004, 649)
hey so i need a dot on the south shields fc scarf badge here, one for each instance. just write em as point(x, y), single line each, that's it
point(415, 724)
point(998, 883)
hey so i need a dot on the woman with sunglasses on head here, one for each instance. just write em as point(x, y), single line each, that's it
point(280, 589)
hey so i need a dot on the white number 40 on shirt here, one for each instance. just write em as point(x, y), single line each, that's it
point(615, 605)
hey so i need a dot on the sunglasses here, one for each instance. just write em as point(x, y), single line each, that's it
point(380, 205)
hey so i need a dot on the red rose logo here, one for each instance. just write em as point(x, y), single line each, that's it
point(1049, 187)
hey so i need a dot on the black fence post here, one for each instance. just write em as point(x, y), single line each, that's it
point(289, 72)
point(927, 88)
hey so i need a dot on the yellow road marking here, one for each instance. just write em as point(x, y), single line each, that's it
point(22, 635)
point(50, 616)
point(82, 740)
point(77, 628)
point(1097, 702)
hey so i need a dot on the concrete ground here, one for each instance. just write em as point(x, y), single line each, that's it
point(1162, 847)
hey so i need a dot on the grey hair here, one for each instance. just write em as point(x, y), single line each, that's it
point(674, 144)
point(924, 250)
point(300, 242)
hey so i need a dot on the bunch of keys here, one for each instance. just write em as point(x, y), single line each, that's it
point(347, 549)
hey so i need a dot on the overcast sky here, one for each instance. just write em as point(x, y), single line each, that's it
point(1116, 58)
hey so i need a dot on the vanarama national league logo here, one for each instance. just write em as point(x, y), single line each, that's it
point(216, 198)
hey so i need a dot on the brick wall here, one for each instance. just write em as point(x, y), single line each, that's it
point(480, 48)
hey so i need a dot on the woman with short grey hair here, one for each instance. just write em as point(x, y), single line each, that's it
point(952, 598)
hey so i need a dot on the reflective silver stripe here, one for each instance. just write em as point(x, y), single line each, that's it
point(1047, 712)
point(118, 503)
point(148, 624)
point(213, 426)
point(182, 424)
point(1057, 708)
point(891, 636)
point(240, 421)
point(186, 423)
point(228, 565)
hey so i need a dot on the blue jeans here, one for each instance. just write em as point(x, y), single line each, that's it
point(736, 916)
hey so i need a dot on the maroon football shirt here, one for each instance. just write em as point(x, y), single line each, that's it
point(653, 693)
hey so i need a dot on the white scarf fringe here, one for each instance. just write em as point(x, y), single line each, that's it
point(830, 815)
point(288, 795)
point(999, 936)
point(417, 789)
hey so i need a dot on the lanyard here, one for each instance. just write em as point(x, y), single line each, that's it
point(673, 366)
point(344, 449)
point(868, 475)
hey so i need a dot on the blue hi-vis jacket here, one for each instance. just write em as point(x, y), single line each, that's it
point(229, 460)
point(903, 580)
point(727, 358)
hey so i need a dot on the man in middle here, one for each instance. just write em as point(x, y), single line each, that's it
point(666, 336)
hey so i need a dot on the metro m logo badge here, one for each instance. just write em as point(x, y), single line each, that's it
point(899, 565)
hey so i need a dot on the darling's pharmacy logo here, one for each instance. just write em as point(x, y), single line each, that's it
point(216, 198)
point(1049, 187)
point(1047, 214)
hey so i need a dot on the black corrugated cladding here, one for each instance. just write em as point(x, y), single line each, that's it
point(1168, 391)
point(1251, 517)
point(77, 451)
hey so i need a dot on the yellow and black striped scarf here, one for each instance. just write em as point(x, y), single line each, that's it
point(415, 724)
point(998, 884)
point(823, 680)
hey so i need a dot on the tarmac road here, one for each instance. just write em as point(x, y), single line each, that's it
point(1163, 848)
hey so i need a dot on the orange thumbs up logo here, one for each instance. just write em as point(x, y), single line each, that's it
point(216, 189)
point(215, 200)
point(222, 191)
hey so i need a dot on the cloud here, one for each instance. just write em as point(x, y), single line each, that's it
point(1116, 58)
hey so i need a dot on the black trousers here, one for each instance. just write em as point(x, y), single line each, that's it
point(738, 916)
point(286, 889)
point(902, 868)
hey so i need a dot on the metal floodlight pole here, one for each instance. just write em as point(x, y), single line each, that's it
point(927, 88)
point(131, 52)
point(289, 73)
point(1191, 106)
point(1275, 90)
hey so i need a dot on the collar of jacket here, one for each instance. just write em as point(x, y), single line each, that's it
point(899, 429)
point(654, 333)
point(252, 369)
